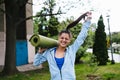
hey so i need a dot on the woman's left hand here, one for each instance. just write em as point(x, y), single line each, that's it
point(89, 16)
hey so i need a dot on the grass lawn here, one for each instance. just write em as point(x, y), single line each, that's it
point(108, 72)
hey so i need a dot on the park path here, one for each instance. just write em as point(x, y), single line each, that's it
point(28, 67)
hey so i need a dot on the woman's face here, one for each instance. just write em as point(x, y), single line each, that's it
point(64, 40)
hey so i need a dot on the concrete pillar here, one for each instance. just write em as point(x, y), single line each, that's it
point(2, 35)
point(29, 26)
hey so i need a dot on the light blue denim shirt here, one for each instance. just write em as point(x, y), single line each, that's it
point(67, 71)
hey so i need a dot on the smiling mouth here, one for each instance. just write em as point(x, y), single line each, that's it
point(63, 43)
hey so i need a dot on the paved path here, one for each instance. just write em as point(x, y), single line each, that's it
point(28, 67)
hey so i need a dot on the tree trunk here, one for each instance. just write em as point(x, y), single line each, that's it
point(10, 53)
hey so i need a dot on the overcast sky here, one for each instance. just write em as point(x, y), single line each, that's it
point(100, 7)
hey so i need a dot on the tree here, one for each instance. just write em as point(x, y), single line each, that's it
point(100, 43)
point(13, 19)
point(48, 25)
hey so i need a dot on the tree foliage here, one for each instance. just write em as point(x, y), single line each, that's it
point(116, 37)
point(47, 25)
point(100, 43)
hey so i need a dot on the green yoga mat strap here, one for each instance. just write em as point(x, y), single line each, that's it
point(42, 41)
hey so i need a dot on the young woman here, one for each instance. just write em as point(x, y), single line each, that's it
point(61, 59)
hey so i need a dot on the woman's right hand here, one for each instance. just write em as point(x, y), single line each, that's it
point(41, 50)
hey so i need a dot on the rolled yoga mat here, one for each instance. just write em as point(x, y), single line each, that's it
point(42, 41)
